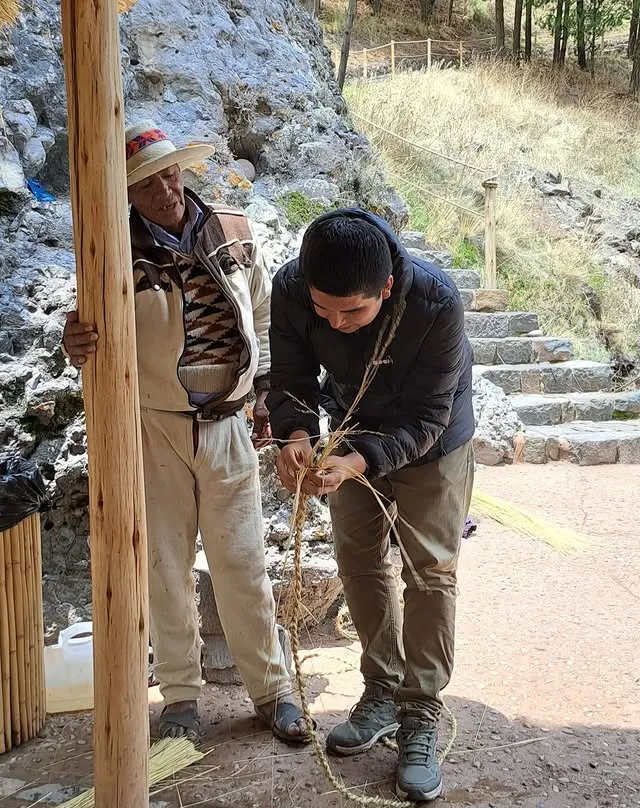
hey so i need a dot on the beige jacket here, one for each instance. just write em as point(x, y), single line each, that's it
point(226, 247)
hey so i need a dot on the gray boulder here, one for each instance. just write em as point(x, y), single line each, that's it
point(497, 423)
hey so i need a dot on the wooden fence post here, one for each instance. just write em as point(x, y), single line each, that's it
point(364, 56)
point(429, 54)
point(91, 47)
point(461, 53)
point(393, 58)
point(490, 263)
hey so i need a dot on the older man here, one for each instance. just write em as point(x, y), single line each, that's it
point(202, 320)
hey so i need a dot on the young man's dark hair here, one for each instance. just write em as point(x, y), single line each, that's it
point(345, 256)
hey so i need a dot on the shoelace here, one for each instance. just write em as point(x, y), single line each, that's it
point(363, 709)
point(418, 744)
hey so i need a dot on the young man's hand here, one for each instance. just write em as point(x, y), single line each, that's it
point(333, 473)
point(293, 456)
point(79, 339)
point(261, 435)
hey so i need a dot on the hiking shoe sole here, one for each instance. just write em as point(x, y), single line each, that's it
point(418, 795)
point(348, 751)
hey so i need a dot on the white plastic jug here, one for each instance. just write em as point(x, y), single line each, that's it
point(69, 670)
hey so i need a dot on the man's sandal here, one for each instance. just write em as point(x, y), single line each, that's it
point(186, 721)
point(280, 716)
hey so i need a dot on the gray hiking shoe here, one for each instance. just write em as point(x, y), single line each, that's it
point(419, 777)
point(370, 720)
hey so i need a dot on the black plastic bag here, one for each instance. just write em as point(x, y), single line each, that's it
point(22, 490)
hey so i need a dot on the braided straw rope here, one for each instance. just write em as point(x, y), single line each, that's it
point(318, 458)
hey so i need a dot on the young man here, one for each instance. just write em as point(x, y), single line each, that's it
point(202, 321)
point(413, 442)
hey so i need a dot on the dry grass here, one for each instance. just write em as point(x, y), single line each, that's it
point(9, 11)
point(517, 121)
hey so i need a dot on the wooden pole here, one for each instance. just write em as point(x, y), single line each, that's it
point(364, 57)
point(110, 385)
point(490, 245)
point(393, 58)
point(429, 54)
point(461, 54)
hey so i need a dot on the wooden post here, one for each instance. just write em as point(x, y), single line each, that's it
point(364, 57)
point(429, 54)
point(490, 263)
point(110, 382)
point(393, 58)
point(461, 53)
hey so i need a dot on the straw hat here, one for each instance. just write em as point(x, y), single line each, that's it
point(149, 150)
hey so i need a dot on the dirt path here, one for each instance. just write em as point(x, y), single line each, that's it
point(546, 691)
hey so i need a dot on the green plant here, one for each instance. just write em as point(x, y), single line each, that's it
point(300, 209)
point(466, 255)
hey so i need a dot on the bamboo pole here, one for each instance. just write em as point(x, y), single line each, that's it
point(461, 54)
point(12, 645)
point(490, 242)
point(110, 384)
point(5, 671)
point(40, 611)
point(429, 54)
point(393, 58)
point(365, 68)
point(25, 684)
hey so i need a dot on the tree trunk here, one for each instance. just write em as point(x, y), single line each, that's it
point(426, 7)
point(376, 5)
point(565, 31)
point(499, 25)
point(634, 85)
point(346, 41)
point(528, 30)
point(517, 31)
point(580, 43)
point(450, 17)
point(634, 27)
point(595, 7)
point(557, 32)
point(317, 8)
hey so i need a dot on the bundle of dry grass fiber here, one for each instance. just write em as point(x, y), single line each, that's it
point(22, 690)
point(166, 757)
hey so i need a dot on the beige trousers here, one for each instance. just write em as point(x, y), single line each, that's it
point(214, 488)
point(410, 653)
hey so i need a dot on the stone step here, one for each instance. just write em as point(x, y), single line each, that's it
point(490, 300)
point(586, 443)
point(550, 410)
point(520, 350)
point(500, 325)
point(578, 375)
point(465, 278)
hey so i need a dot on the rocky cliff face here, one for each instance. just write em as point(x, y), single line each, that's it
point(253, 78)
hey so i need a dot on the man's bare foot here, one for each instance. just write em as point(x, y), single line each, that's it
point(285, 719)
point(180, 720)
